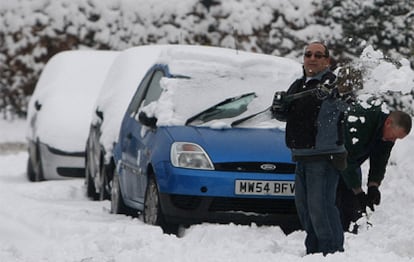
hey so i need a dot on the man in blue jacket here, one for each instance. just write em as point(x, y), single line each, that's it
point(314, 135)
point(369, 134)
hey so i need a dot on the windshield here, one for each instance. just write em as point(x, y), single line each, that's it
point(229, 108)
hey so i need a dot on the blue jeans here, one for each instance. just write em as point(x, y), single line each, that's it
point(315, 194)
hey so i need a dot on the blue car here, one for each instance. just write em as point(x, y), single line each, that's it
point(198, 143)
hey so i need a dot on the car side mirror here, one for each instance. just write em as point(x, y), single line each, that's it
point(147, 121)
point(37, 105)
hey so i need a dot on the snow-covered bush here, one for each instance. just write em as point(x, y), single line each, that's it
point(34, 30)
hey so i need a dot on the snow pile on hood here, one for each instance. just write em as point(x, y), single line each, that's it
point(212, 75)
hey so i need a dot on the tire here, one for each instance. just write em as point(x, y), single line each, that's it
point(34, 167)
point(152, 213)
point(105, 189)
point(89, 183)
point(117, 201)
point(31, 175)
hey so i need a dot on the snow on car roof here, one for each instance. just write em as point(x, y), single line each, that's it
point(120, 84)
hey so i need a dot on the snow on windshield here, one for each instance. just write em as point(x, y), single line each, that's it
point(216, 76)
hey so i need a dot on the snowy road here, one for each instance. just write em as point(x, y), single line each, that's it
point(54, 221)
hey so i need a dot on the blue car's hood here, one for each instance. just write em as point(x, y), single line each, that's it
point(236, 144)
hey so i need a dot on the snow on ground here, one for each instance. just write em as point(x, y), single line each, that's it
point(54, 221)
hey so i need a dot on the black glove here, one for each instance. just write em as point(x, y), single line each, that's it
point(361, 202)
point(279, 105)
point(374, 197)
point(328, 80)
point(326, 86)
point(279, 100)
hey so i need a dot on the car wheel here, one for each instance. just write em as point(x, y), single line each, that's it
point(31, 175)
point(117, 202)
point(105, 190)
point(34, 167)
point(89, 183)
point(152, 212)
point(152, 209)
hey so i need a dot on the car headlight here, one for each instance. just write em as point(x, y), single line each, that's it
point(189, 155)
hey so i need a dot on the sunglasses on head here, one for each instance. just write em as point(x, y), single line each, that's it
point(317, 55)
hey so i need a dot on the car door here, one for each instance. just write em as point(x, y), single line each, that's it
point(136, 149)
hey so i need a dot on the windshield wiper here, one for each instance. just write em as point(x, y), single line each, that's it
point(241, 120)
point(228, 108)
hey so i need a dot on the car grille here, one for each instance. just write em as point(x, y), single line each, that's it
point(262, 206)
point(186, 202)
point(224, 204)
point(256, 167)
point(71, 171)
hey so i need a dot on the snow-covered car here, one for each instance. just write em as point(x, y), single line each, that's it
point(122, 80)
point(59, 113)
point(198, 143)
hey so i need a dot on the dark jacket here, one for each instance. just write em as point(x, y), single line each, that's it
point(363, 140)
point(313, 124)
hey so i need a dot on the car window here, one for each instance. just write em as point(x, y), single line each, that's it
point(137, 98)
point(154, 89)
point(150, 88)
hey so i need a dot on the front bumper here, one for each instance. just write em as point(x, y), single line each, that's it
point(196, 196)
point(181, 209)
point(58, 164)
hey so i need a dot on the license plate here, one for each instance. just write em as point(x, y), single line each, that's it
point(263, 187)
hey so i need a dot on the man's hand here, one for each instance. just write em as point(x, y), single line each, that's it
point(279, 105)
point(279, 100)
point(374, 197)
point(326, 87)
point(328, 81)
